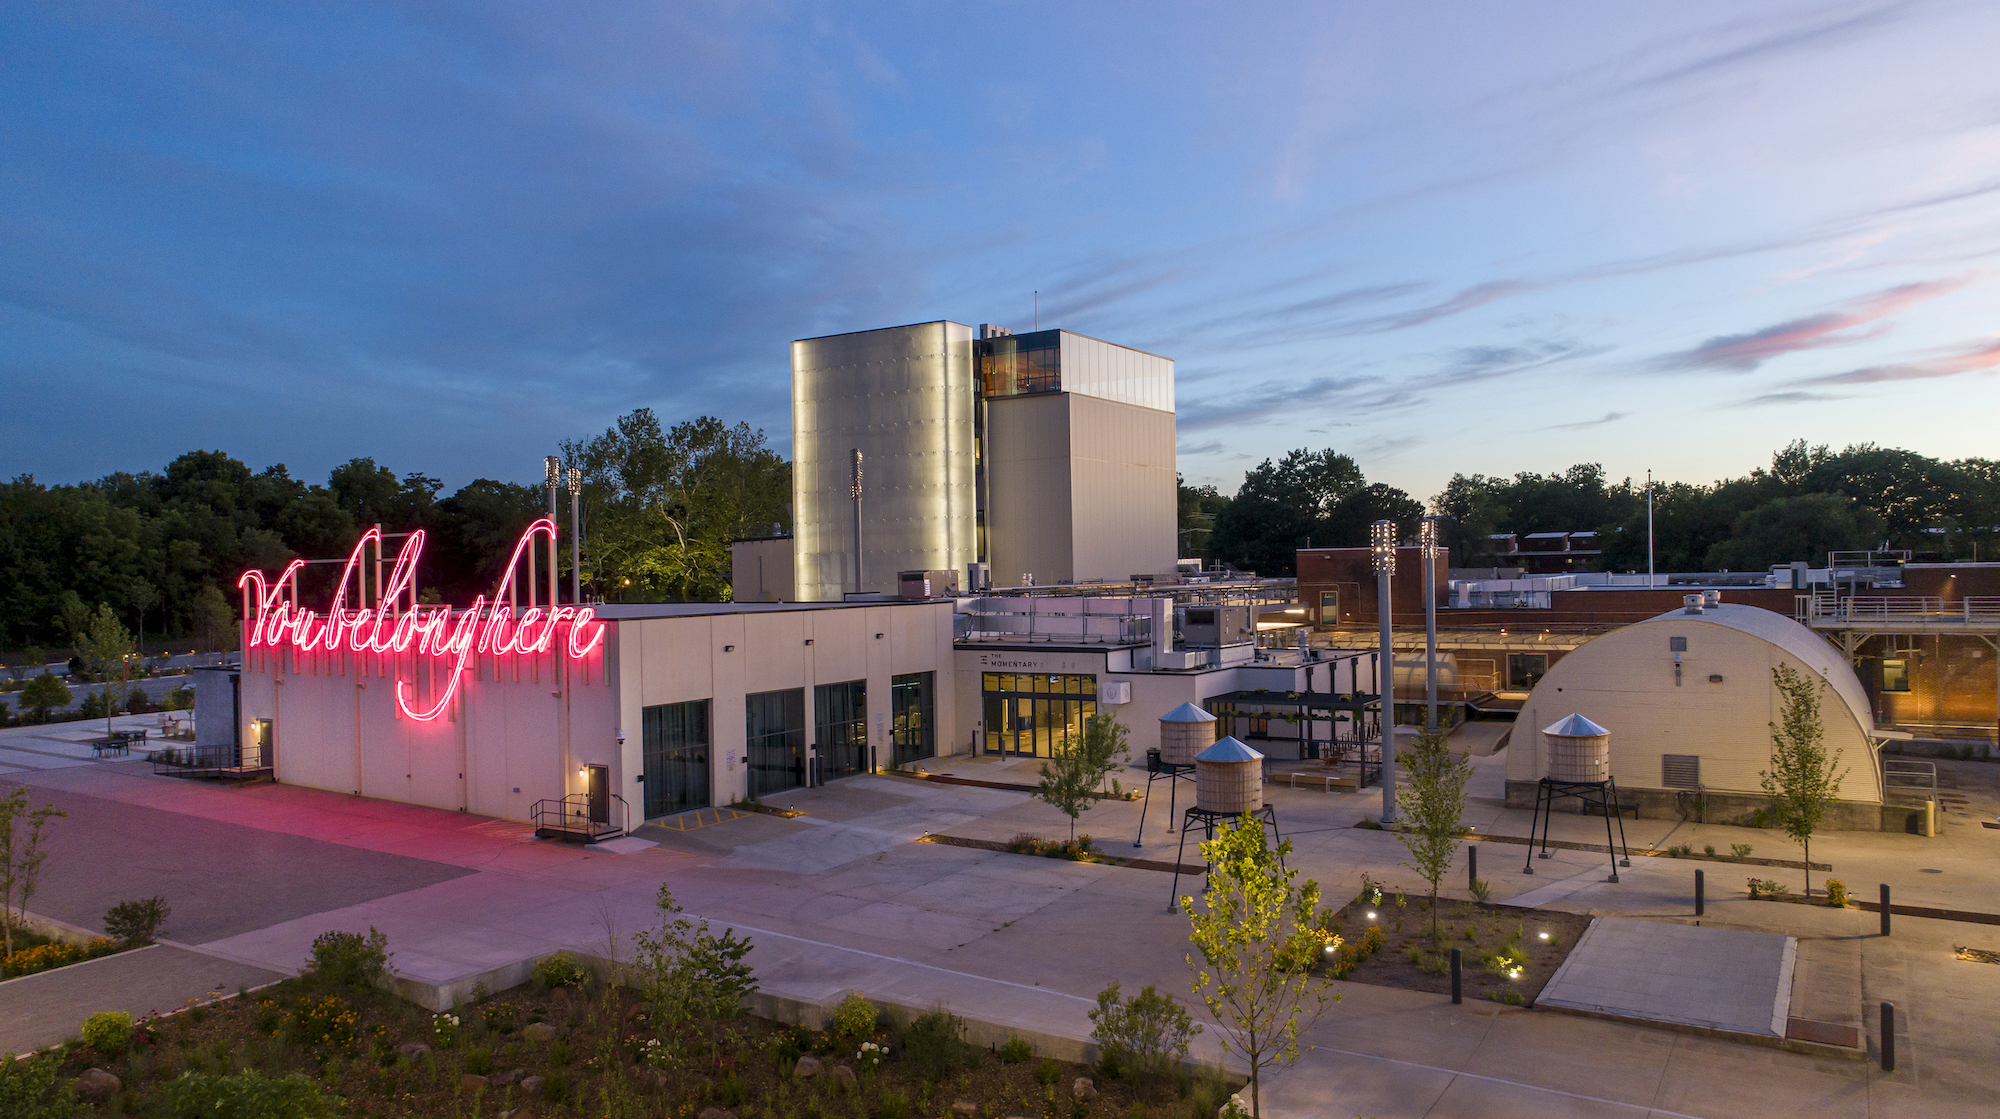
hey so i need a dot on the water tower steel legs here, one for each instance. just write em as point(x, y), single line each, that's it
point(1601, 795)
point(1157, 770)
point(1208, 821)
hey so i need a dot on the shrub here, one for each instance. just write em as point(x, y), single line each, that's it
point(935, 1044)
point(1836, 892)
point(1708, 849)
point(136, 922)
point(180, 699)
point(1765, 888)
point(1048, 1072)
point(479, 1061)
point(324, 1020)
point(345, 959)
point(1015, 1051)
point(1147, 1035)
point(558, 969)
point(245, 1095)
point(1679, 851)
point(854, 1018)
point(1740, 850)
point(108, 1032)
point(1481, 890)
point(893, 1105)
point(34, 1088)
point(54, 954)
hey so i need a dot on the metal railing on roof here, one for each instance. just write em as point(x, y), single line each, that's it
point(1054, 627)
point(1826, 607)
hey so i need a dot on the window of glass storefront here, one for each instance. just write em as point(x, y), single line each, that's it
point(675, 754)
point(840, 719)
point(914, 734)
point(1028, 713)
point(775, 740)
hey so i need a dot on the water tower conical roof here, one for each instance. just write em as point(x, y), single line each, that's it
point(1187, 713)
point(1576, 726)
point(1228, 749)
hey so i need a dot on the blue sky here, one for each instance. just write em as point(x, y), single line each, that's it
point(1474, 237)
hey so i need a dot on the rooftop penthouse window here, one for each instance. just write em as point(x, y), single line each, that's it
point(1020, 364)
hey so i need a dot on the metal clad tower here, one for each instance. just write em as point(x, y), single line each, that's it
point(902, 396)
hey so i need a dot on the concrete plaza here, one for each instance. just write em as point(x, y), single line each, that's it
point(1025, 944)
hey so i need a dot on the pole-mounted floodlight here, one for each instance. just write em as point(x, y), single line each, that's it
point(575, 536)
point(1382, 543)
point(1427, 540)
point(552, 473)
point(854, 491)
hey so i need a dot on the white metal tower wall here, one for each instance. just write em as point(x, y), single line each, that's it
point(904, 397)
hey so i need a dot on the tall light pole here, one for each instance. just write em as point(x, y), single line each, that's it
point(575, 536)
point(1427, 538)
point(552, 472)
point(1649, 530)
point(1382, 537)
point(854, 491)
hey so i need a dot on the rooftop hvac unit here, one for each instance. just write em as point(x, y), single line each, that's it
point(1579, 751)
point(1216, 626)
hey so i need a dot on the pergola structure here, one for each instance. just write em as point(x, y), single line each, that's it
point(1361, 747)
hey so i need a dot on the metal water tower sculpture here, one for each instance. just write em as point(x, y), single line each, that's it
point(1228, 785)
point(1185, 731)
point(1579, 766)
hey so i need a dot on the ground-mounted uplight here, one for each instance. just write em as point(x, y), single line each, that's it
point(1371, 915)
point(1545, 936)
point(1514, 974)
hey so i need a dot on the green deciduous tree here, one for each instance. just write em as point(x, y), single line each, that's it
point(1078, 764)
point(106, 648)
point(1432, 797)
point(1803, 781)
point(1311, 496)
point(663, 504)
point(1254, 943)
point(21, 856)
point(43, 695)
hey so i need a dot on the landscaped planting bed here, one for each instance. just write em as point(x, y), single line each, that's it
point(335, 1042)
point(1507, 953)
point(35, 953)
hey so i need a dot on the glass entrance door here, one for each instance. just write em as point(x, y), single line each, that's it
point(840, 719)
point(1030, 713)
point(775, 740)
point(675, 754)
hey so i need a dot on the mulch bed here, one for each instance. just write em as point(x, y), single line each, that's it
point(585, 1050)
point(1479, 931)
point(1096, 856)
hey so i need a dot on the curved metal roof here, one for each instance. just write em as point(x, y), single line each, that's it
point(1802, 643)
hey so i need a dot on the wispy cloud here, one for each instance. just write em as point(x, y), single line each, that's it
point(1742, 353)
point(1770, 398)
point(1607, 418)
point(1981, 358)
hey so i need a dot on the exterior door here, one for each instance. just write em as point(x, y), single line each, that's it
point(676, 750)
point(840, 721)
point(265, 743)
point(599, 792)
point(1329, 608)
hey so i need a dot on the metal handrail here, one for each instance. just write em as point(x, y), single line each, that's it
point(571, 813)
point(1813, 607)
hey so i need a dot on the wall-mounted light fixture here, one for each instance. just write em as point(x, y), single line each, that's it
point(809, 640)
point(878, 637)
point(729, 648)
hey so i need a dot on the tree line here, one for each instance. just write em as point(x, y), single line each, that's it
point(1811, 500)
point(162, 550)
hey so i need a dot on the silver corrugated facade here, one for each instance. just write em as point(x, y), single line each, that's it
point(904, 397)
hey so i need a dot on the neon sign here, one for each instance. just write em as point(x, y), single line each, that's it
point(440, 631)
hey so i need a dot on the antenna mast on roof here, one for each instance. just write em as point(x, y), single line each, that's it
point(1649, 530)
